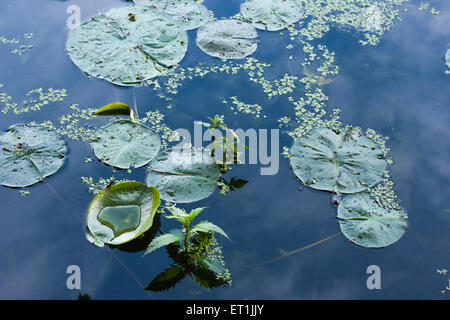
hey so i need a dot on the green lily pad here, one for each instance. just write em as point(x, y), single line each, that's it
point(124, 144)
point(227, 39)
point(121, 213)
point(183, 175)
point(271, 15)
point(344, 162)
point(366, 223)
point(127, 45)
point(188, 13)
point(28, 154)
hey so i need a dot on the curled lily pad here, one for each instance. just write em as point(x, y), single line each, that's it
point(183, 175)
point(271, 15)
point(227, 39)
point(127, 45)
point(344, 162)
point(124, 144)
point(366, 223)
point(121, 213)
point(28, 154)
point(188, 13)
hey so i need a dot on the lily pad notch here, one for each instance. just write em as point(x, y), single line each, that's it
point(126, 143)
point(28, 154)
point(127, 45)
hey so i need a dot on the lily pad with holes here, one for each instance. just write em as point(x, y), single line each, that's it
point(121, 213)
point(28, 154)
point(364, 222)
point(227, 39)
point(188, 13)
point(127, 45)
point(124, 144)
point(271, 15)
point(344, 162)
point(183, 175)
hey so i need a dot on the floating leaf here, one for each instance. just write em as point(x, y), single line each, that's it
point(188, 13)
point(183, 175)
point(124, 144)
point(366, 223)
point(28, 154)
point(227, 39)
point(127, 45)
point(271, 15)
point(344, 162)
point(206, 226)
point(115, 109)
point(121, 213)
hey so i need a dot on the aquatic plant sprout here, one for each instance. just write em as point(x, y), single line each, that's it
point(341, 162)
point(368, 224)
point(190, 14)
point(183, 175)
point(28, 154)
point(121, 213)
point(127, 45)
point(271, 15)
point(227, 39)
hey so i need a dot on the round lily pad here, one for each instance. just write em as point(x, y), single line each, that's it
point(271, 15)
point(28, 154)
point(124, 144)
point(127, 45)
point(121, 213)
point(344, 162)
point(227, 39)
point(183, 175)
point(366, 223)
point(188, 13)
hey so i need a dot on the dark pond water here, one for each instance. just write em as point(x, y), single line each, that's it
point(398, 88)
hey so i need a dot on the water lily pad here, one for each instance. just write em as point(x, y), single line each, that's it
point(188, 13)
point(227, 39)
point(121, 213)
point(127, 45)
point(183, 175)
point(124, 144)
point(271, 15)
point(366, 223)
point(28, 154)
point(344, 162)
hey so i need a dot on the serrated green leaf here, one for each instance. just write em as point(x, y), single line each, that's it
point(191, 216)
point(163, 240)
point(167, 279)
point(206, 226)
